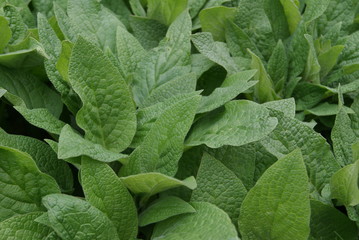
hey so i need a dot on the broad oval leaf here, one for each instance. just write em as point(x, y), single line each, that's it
point(108, 114)
point(22, 185)
point(76, 219)
point(218, 185)
point(277, 207)
point(208, 222)
point(163, 209)
point(104, 190)
point(239, 123)
point(24, 227)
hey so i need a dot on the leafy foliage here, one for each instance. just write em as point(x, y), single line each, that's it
point(179, 119)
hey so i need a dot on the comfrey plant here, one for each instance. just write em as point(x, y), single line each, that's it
point(179, 119)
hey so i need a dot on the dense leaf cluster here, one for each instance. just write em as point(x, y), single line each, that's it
point(179, 119)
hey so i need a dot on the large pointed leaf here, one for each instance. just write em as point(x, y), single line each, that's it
point(239, 123)
point(277, 207)
point(108, 112)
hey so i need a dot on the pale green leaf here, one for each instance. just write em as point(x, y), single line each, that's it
point(277, 207)
point(343, 137)
point(166, 11)
point(163, 209)
point(163, 145)
point(327, 109)
point(328, 223)
point(75, 219)
point(215, 51)
point(94, 22)
point(104, 190)
point(278, 67)
point(214, 20)
point(149, 32)
point(231, 87)
point(108, 112)
point(291, 134)
point(166, 62)
point(119, 7)
point(22, 185)
point(238, 42)
point(149, 184)
point(239, 123)
point(344, 185)
point(52, 46)
point(24, 227)
point(33, 92)
point(68, 139)
point(5, 33)
point(129, 52)
point(209, 222)
point(264, 89)
point(41, 118)
point(218, 185)
point(63, 61)
point(286, 106)
point(45, 159)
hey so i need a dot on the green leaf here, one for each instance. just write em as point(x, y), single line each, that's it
point(149, 32)
point(284, 17)
point(52, 46)
point(239, 123)
point(166, 62)
point(68, 139)
point(286, 106)
point(73, 218)
point(33, 92)
point(328, 59)
point(277, 207)
point(45, 159)
point(343, 137)
point(108, 112)
point(63, 61)
point(5, 33)
point(104, 190)
point(292, 14)
point(252, 19)
point(238, 42)
point(183, 84)
point(291, 134)
point(312, 68)
point(344, 185)
point(214, 20)
point(327, 109)
point(129, 52)
point(120, 8)
point(215, 51)
point(338, 11)
point(163, 145)
point(18, 28)
point(46, 7)
point(327, 223)
point(24, 227)
point(264, 89)
point(94, 22)
point(231, 87)
point(165, 11)
point(278, 67)
point(41, 118)
point(196, 225)
point(163, 209)
point(240, 160)
point(149, 184)
point(218, 185)
point(22, 185)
